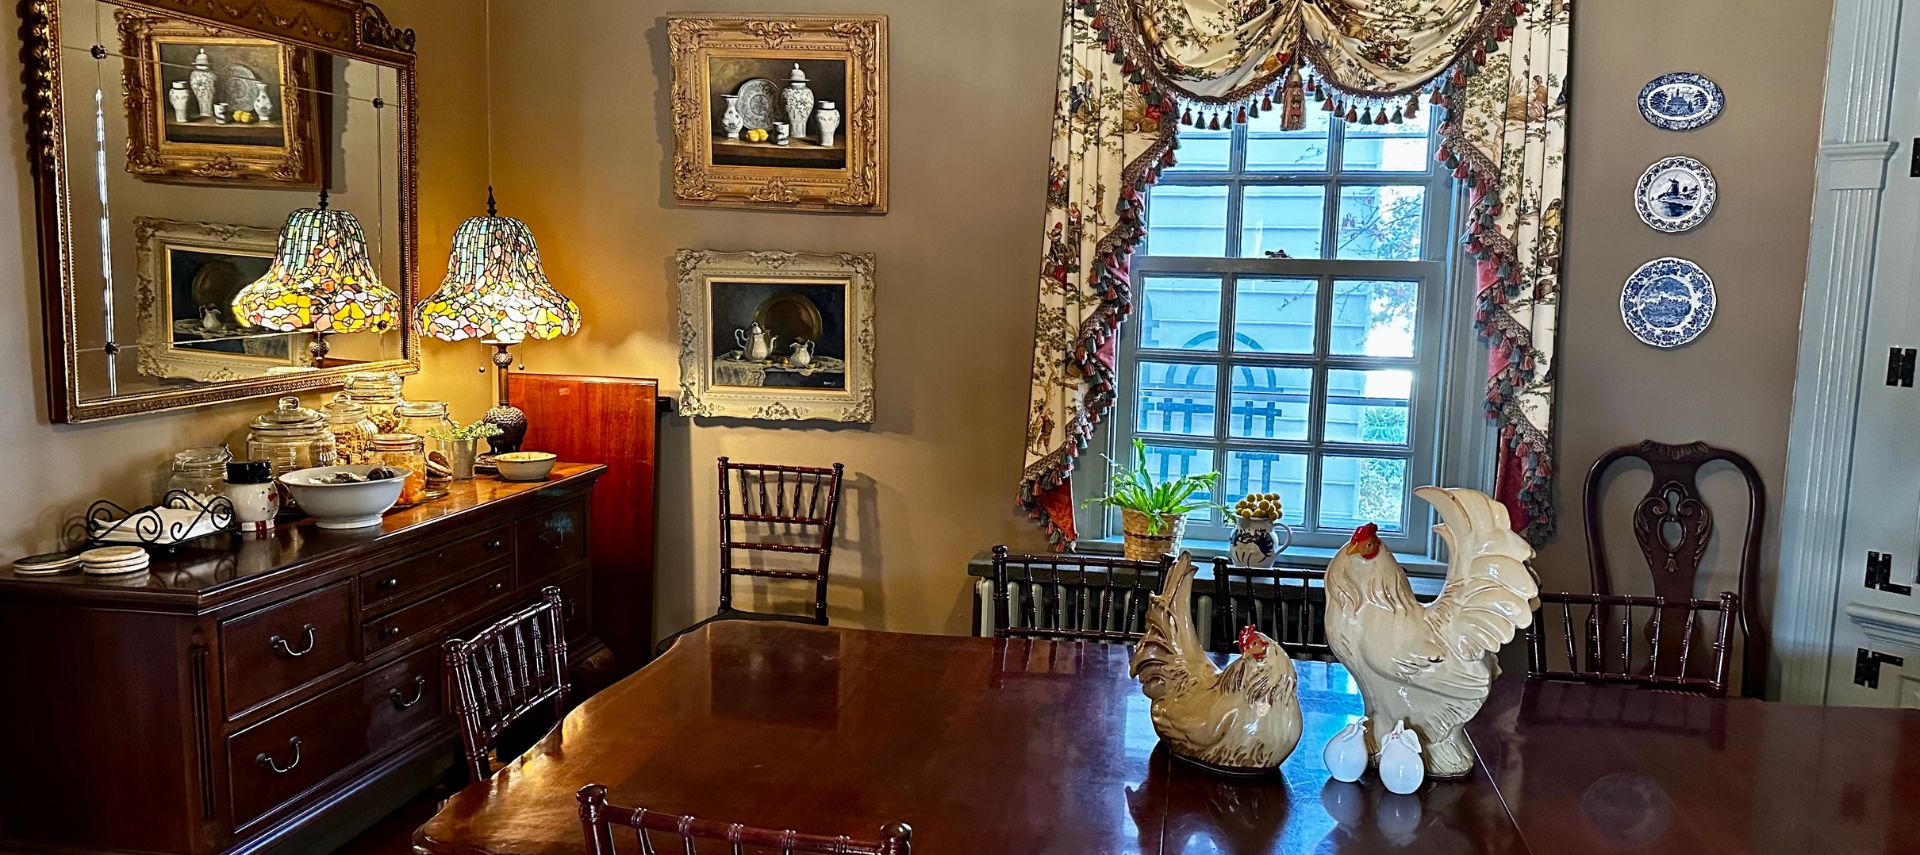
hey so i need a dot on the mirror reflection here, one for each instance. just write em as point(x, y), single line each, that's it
point(234, 204)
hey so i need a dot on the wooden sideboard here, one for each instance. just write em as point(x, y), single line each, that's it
point(248, 687)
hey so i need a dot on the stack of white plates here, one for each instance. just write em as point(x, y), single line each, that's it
point(46, 564)
point(114, 561)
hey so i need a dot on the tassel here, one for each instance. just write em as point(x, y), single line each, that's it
point(1215, 124)
point(1380, 118)
point(1242, 118)
point(1413, 106)
point(1293, 100)
point(1186, 117)
point(1266, 100)
point(1353, 114)
point(1366, 117)
point(1398, 116)
point(1253, 110)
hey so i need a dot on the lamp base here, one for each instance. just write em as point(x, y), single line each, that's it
point(512, 422)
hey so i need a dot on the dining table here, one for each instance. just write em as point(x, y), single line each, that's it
point(986, 745)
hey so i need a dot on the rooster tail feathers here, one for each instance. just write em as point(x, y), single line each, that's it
point(1490, 592)
point(1169, 652)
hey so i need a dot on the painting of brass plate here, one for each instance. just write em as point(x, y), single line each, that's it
point(790, 316)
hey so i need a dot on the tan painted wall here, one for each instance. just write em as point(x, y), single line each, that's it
point(583, 149)
point(53, 471)
point(1733, 387)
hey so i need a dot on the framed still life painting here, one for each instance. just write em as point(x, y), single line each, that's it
point(209, 107)
point(776, 335)
point(187, 275)
point(780, 111)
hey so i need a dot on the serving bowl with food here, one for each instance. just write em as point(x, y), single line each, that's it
point(346, 496)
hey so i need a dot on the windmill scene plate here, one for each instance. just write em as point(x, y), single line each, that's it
point(1668, 302)
point(1681, 101)
point(1675, 194)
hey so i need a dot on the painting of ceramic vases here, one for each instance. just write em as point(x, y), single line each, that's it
point(778, 112)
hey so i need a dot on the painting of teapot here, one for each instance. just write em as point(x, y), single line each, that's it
point(801, 355)
point(755, 344)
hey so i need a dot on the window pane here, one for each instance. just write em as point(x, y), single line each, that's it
point(1166, 463)
point(1186, 220)
point(1203, 151)
point(1275, 315)
point(1282, 219)
point(1180, 313)
point(1270, 149)
point(1271, 403)
point(1387, 148)
point(1356, 490)
point(1269, 472)
point(1177, 399)
point(1381, 221)
point(1374, 317)
point(1368, 406)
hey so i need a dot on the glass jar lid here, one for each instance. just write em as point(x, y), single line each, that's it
point(196, 459)
point(288, 417)
point(398, 442)
point(373, 385)
point(421, 409)
point(343, 410)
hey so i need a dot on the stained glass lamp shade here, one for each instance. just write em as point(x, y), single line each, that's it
point(497, 292)
point(321, 280)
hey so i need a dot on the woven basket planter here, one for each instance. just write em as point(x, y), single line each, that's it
point(1144, 546)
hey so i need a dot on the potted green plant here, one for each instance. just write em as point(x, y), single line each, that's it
point(463, 444)
point(1153, 515)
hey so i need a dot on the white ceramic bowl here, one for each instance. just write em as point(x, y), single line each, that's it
point(525, 465)
point(354, 505)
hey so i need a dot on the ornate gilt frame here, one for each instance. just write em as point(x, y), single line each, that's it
point(150, 156)
point(153, 296)
point(348, 28)
point(859, 40)
point(698, 394)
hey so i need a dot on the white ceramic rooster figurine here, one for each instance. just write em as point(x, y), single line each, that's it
point(1243, 719)
point(1431, 665)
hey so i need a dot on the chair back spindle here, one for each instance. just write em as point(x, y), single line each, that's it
point(1286, 603)
point(1599, 645)
point(1073, 597)
point(504, 673)
point(779, 500)
point(599, 818)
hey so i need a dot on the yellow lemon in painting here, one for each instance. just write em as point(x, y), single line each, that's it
point(244, 117)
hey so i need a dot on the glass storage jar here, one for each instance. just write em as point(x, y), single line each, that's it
point(379, 393)
point(353, 430)
point(424, 419)
point(291, 436)
point(200, 473)
point(407, 453)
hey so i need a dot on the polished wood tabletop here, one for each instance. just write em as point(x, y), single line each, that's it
point(990, 746)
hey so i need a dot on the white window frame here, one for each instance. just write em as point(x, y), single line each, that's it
point(1450, 440)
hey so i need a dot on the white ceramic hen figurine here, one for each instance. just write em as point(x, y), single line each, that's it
point(1243, 719)
point(1431, 665)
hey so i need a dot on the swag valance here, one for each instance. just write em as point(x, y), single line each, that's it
point(1133, 71)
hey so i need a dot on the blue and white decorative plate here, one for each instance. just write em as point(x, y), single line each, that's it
point(1681, 101)
point(1675, 194)
point(1668, 302)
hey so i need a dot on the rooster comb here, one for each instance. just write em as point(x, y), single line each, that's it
point(1246, 636)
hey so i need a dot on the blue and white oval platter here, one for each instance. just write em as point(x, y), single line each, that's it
point(1681, 101)
point(1668, 302)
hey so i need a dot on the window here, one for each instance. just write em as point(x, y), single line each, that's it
point(1290, 300)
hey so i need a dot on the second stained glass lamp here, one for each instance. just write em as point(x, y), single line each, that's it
point(497, 292)
point(322, 281)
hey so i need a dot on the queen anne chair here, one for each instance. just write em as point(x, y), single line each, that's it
point(1073, 597)
point(506, 672)
point(1286, 603)
point(775, 501)
point(598, 819)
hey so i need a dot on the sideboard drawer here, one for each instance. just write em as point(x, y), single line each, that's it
point(282, 646)
point(417, 573)
point(281, 757)
point(549, 542)
point(576, 604)
point(395, 628)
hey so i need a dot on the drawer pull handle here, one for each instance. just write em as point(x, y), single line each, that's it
point(400, 703)
point(389, 583)
point(280, 644)
point(497, 587)
point(569, 608)
point(553, 539)
point(267, 763)
point(494, 544)
point(390, 632)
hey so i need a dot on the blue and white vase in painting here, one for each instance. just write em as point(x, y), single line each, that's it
point(1675, 194)
point(1668, 302)
point(1681, 101)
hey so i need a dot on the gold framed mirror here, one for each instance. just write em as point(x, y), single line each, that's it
point(226, 199)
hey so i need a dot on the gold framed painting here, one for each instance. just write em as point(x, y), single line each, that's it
point(186, 277)
point(780, 111)
point(206, 106)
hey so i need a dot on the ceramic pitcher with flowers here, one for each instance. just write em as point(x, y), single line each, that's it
point(755, 344)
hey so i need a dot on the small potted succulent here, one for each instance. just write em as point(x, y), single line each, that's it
point(463, 444)
point(1153, 515)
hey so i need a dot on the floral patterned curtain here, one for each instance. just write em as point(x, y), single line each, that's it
point(1132, 71)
